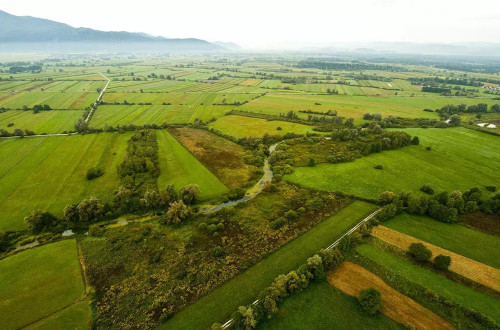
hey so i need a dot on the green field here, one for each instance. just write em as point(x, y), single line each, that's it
point(322, 306)
point(457, 238)
point(453, 291)
point(77, 317)
point(357, 106)
point(179, 167)
point(55, 100)
point(241, 126)
point(49, 172)
point(459, 159)
point(241, 290)
point(56, 121)
point(40, 282)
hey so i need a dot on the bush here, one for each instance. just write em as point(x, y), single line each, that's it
point(276, 224)
point(93, 173)
point(420, 252)
point(217, 251)
point(370, 300)
point(426, 188)
point(386, 197)
point(96, 231)
point(491, 188)
point(312, 162)
point(176, 213)
point(442, 262)
point(415, 141)
point(379, 167)
point(39, 221)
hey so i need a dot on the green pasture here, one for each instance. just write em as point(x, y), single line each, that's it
point(179, 167)
point(459, 159)
point(49, 172)
point(56, 100)
point(39, 282)
point(54, 121)
point(322, 306)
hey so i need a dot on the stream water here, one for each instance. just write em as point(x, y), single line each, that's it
point(252, 192)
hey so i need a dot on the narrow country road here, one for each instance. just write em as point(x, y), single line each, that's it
point(67, 134)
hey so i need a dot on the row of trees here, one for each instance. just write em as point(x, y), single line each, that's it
point(452, 109)
point(445, 207)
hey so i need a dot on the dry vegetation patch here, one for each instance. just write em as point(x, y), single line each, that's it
point(464, 266)
point(222, 157)
point(351, 279)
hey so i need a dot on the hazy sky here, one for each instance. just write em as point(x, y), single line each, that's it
point(280, 23)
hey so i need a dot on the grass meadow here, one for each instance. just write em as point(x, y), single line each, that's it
point(325, 307)
point(56, 121)
point(459, 159)
point(241, 126)
point(242, 289)
point(39, 282)
point(49, 172)
point(179, 167)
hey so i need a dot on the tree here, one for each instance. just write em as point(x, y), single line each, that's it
point(370, 300)
point(39, 221)
point(90, 209)
point(455, 120)
point(420, 252)
point(176, 213)
point(18, 132)
point(386, 197)
point(189, 194)
point(442, 262)
point(70, 213)
point(415, 141)
point(247, 317)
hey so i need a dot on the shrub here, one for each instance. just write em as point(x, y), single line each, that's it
point(176, 213)
point(442, 262)
point(415, 141)
point(39, 221)
point(370, 300)
point(217, 251)
point(386, 197)
point(312, 162)
point(96, 231)
point(276, 224)
point(420, 252)
point(379, 167)
point(93, 173)
point(428, 148)
point(426, 188)
point(491, 188)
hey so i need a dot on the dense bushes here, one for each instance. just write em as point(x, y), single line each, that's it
point(370, 300)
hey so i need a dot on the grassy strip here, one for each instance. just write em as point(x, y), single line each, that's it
point(179, 167)
point(426, 286)
point(322, 306)
point(219, 304)
point(457, 238)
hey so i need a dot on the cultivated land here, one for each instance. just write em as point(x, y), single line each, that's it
point(351, 279)
point(40, 282)
point(459, 160)
point(241, 126)
point(453, 291)
point(468, 242)
point(144, 272)
point(218, 305)
point(222, 157)
point(469, 268)
point(322, 306)
point(179, 167)
point(49, 172)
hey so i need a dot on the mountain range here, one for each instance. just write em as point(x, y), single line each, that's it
point(31, 33)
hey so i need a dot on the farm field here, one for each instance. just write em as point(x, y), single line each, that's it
point(39, 282)
point(179, 167)
point(218, 305)
point(468, 242)
point(453, 291)
point(222, 157)
point(459, 160)
point(325, 307)
point(56, 100)
point(49, 172)
point(241, 126)
point(351, 279)
point(55, 121)
point(77, 316)
point(356, 106)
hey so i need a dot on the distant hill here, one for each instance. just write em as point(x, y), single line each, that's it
point(26, 32)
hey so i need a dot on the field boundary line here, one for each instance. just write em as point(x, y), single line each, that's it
point(330, 247)
point(96, 103)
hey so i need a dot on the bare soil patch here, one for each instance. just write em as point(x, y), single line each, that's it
point(474, 270)
point(351, 279)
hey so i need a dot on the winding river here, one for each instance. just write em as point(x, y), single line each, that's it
point(252, 192)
